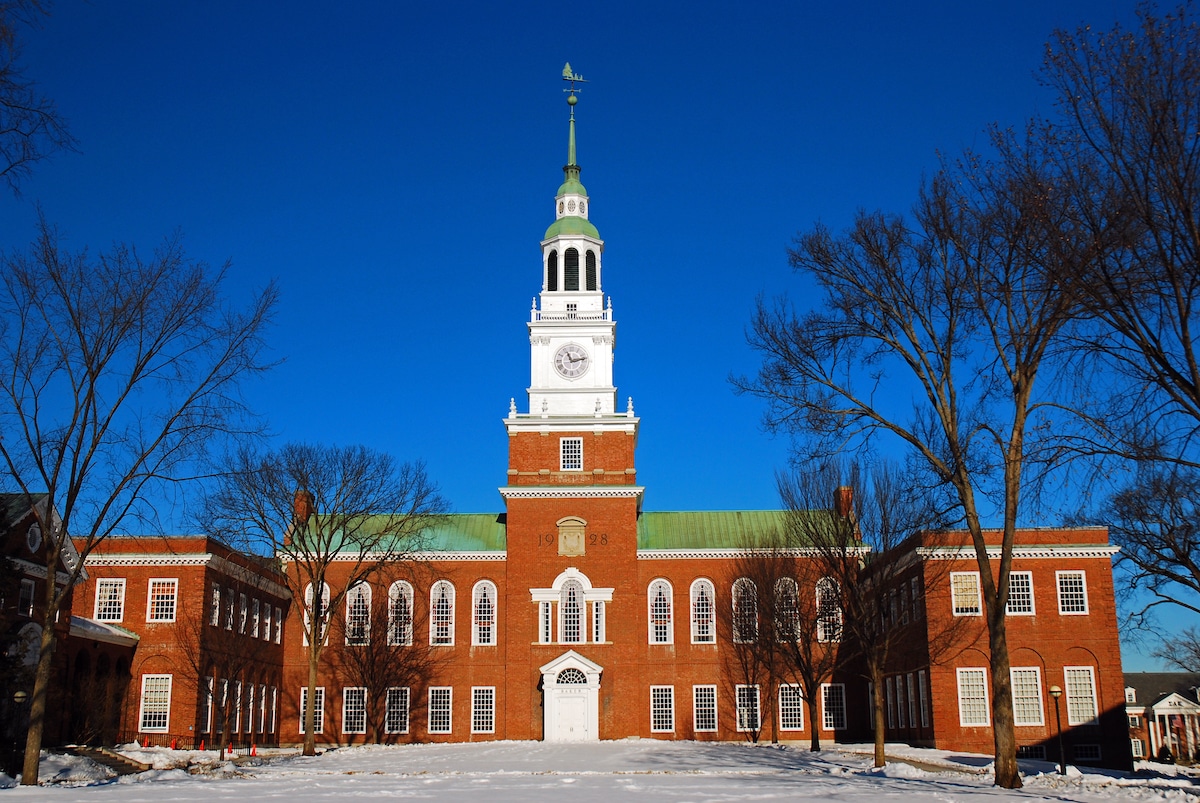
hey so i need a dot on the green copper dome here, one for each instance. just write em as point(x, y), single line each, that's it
point(572, 225)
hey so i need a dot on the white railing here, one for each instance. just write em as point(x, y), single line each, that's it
point(596, 315)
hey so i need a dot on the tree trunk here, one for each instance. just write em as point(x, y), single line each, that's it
point(814, 744)
point(37, 709)
point(1007, 774)
point(877, 716)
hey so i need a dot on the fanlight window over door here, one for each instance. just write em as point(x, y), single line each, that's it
point(571, 677)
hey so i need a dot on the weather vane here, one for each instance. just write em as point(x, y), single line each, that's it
point(569, 75)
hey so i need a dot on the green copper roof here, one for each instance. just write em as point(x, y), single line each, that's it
point(572, 225)
point(468, 532)
point(708, 529)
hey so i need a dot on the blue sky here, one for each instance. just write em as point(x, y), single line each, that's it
point(393, 166)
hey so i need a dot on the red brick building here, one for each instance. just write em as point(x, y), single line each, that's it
point(575, 615)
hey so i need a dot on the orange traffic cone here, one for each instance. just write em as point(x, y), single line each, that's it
point(201, 745)
point(175, 744)
point(146, 743)
point(253, 749)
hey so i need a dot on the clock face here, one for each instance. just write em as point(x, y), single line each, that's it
point(571, 360)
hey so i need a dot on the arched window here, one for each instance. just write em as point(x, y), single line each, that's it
point(829, 610)
point(590, 268)
point(703, 629)
point(441, 613)
point(571, 677)
point(400, 618)
point(358, 614)
point(570, 613)
point(552, 271)
point(483, 631)
point(571, 269)
point(745, 611)
point(660, 612)
point(787, 610)
point(321, 626)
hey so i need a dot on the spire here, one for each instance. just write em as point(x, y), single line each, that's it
point(571, 201)
point(571, 169)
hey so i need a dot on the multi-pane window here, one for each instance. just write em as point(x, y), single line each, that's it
point(483, 709)
point(319, 627)
point(973, 698)
point(440, 699)
point(266, 622)
point(745, 612)
point(358, 615)
point(160, 600)
point(243, 612)
point(255, 617)
point(912, 701)
point(791, 708)
point(662, 709)
point(354, 709)
point(278, 624)
point(318, 708)
point(598, 622)
point(262, 708)
point(571, 454)
point(110, 600)
point(223, 701)
point(901, 722)
point(704, 708)
point(914, 587)
point(1027, 695)
point(483, 631)
point(1020, 594)
point(923, 692)
point(787, 609)
point(889, 696)
point(237, 706)
point(546, 617)
point(395, 717)
point(748, 712)
point(230, 604)
point(206, 706)
point(1081, 695)
point(26, 596)
point(156, 703)
point(964, 592)
point(1137, 747)
point(214, 610)
point(441, 613)
point(274, 709)
point(833, 706)
point(829, 610)
point(1086, 752)
point(660, 612)
point(703, 629)
point(400, 614)
point(570, 613)
point(1072, 593)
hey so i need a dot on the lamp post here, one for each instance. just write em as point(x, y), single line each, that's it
point(1056, 692)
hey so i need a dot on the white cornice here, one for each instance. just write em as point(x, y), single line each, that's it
point(572, 492)
point(729, 554)
point(1049, 551)
point(216, 562)
point(425, 557)
point(609, 422)
point(32, 569)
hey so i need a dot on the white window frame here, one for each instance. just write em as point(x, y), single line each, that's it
point(599, 623)
point(744, 694)
point(1137, 748)
point(830, 618)
point(1059, 577)
point(214, 613)
point(745, 625)
point(397, 707)
point(483, 634)
point(155, 703)
point(923, 693)
point(322, 627)
point(1028, 577)
point(209, 699)
point(243, 612)
point(704, 700)
point(1033, 675)
point(27, 598)
point(117, 603)
point(564, 619)
point(155, 588)
point(912, 701)
point(901, 720)
point(1086, 753)
point(960, 592)
point(358, 594)
point(255, 617)
point(436, 637)
point(889, 696)
point(570, 454)
point(546, 623)
point(658, 632)
point(1074, 716)
point(278, 624)
point(442, 694)
point(786, 597)
point(483, 709)
point(833, 706)
point(318, 708)
point(662, 709)
point(791, 707)
point(400, 592)
point(967, 673)
point(704, 627)
point(266, 622)
point(355, 696)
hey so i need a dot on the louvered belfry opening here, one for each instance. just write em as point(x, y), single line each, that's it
point(590, 267)
point(571, 269)
point(552, 271)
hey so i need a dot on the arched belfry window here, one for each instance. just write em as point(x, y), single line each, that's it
point(552, 271)
point(571, 269)
point(590, 268)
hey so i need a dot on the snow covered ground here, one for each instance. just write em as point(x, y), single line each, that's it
point(588, 773)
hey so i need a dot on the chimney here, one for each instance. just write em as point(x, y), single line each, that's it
point(843, 500)
point(303, 505)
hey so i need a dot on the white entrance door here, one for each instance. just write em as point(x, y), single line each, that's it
point(572, 717)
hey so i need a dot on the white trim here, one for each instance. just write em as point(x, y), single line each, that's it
point(427, 557)
point(715, 708)
point(1032, 597)
point(670, 698)
point(166, 726)
point(216, 562)
point(491, 712)
point(449, 710)
point(828, 721)
point(571, 492)
point(737, 707)
point(954, 607)
point(779, 705)
point(650, 625)
point(729, 553)
point(485, 585)
point(1037, 683)
point(346, 705)
point(987, 708)
point(1058, 576)
point(150, 598)
point(1024, 552)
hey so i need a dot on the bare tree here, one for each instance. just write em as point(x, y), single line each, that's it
point(30, 127)
point(1182, 651)
point(116, 372)
point(932, 336)
point(316, 506)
